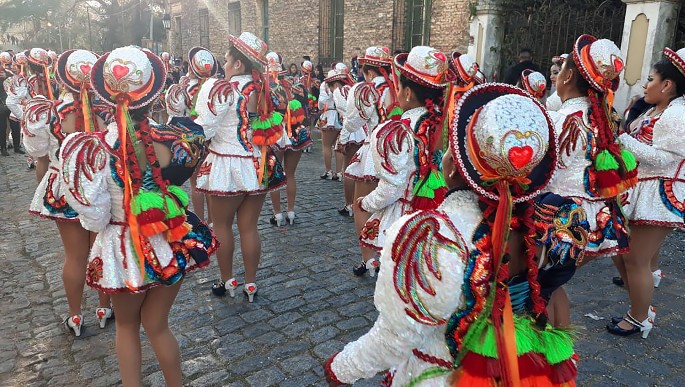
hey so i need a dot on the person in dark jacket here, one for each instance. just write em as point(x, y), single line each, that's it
point(525, 59)
point(4, 117)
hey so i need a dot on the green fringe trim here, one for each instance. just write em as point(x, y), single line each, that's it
point(294, 105)
point(605, 161)
point(172, 208)
point(396, 111)
point(554, 344)
point(274, 119)
point(193, 113)
point(427, 188)
point(628, 159)
point(311, 97)
point(146, 200)
point(180, 194)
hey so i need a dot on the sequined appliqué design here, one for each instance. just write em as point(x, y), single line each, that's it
point(365, 96)
point(668, 197)
point(415, 255)
point(572, 132)
point(91, 158)
point(391, 137)
point(94, 271)
point(54, 204)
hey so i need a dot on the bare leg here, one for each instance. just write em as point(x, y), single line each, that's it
point(559, 309)
point(250, 244)
point(155, 318)
point(654, 264)
point(339, 162)
point(76, 242)
point(198, 198)
point(646, 240)
point(292, 158)
point(348, 184)
point(361, 217)
point(128, 336)
point(224, 209)
point(328, 139)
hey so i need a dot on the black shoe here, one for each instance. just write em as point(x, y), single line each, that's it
point(4, 152)
point(32, 166)
point(335, 177)
point(219, 288)
point(19, 151)
point(344, 211)
point(10, 146)
point(616, 320)
point(618, 281)
point(360, 269)
point(636, 326)
point(326, 175)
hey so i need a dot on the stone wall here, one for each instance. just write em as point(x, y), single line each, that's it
point(294, 28)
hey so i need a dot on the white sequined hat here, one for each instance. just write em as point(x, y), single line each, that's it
point(340, 73)
point(39, 56)
point(202, 63)
point(274, 63)
point(559, 59)
point(128, 73)
point(534, 82)
point(376, 56)
point(423, 65)
point(464, 67)
point(53, 55)
point(251, 46)
point(5, 58)
point(165, 56)
point(677, 58)
point(502, 133)
point(307, 67)
point(73, 68)
point(599, 62)
point(21, 58)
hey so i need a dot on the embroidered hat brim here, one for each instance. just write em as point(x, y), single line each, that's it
point(97, 81)
point(674, 58)
point(587, 69)
point(374, 61)
point(400, 63)
point(62, 75)
point(191, 55)
point(473, 100)
point(246, 50)
point(344, 78)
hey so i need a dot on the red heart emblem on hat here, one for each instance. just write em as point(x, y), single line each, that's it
point(119, 71)
point(207, 66)
point(519, 156)
point(440, 56)
point(85, 68)
point(618, 64)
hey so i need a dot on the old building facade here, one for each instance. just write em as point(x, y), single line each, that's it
point(326, 30)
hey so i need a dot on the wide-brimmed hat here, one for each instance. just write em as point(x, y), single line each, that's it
point(5, 58)
point(20, 58)
point(677, 58)
point(130, 73)
point(307, 66)
point(599, 62)
point(559, 59)
point(464, 66)
point(274, 63)
point(534, 82)
point(73, 68)
point(376, 56)
point(340, 73)
point(202, 63)
point(502, 133)
point(38, 56)
point(251, 46)
point(424, 65)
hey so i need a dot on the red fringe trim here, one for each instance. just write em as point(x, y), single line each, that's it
point(531, 365)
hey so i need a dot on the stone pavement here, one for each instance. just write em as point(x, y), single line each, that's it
point(308, 307)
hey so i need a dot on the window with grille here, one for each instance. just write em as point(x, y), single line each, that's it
point(418, 15)
point(331, 33)
point(265, 20)
point(179, 34)
point(204, 27)
point(234, 27)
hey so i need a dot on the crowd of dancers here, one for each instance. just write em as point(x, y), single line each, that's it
point(474, 202)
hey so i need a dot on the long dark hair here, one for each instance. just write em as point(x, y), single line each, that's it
point(237, 55)
point(667, 70)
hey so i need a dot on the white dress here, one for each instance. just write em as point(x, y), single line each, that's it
point(367, 104)
point(232, 165)
point(658, 199)
point(340, 96)
point(328, 118)
point(392, 147)
point(404, 337)
point(609, 234)
point(42, 136)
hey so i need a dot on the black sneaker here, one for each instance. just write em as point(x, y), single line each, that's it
point(219, 288)
point(618, 281)
point(345, 211)
point(360, 269)
point(326, 175)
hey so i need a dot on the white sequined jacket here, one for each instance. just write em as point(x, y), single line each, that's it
point(664, 157)
point(409, 334)
point(362, 105)
point(179, 97)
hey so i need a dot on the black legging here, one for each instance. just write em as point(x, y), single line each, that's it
point(14, 127)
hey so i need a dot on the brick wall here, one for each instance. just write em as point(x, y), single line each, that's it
point(294, 28)
point(450, 25)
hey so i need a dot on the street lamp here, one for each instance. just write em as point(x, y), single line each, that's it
point(166, 21)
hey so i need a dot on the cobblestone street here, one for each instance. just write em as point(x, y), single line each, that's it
point(309, 305)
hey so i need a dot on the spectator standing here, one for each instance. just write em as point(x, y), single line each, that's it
point(525, 62)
